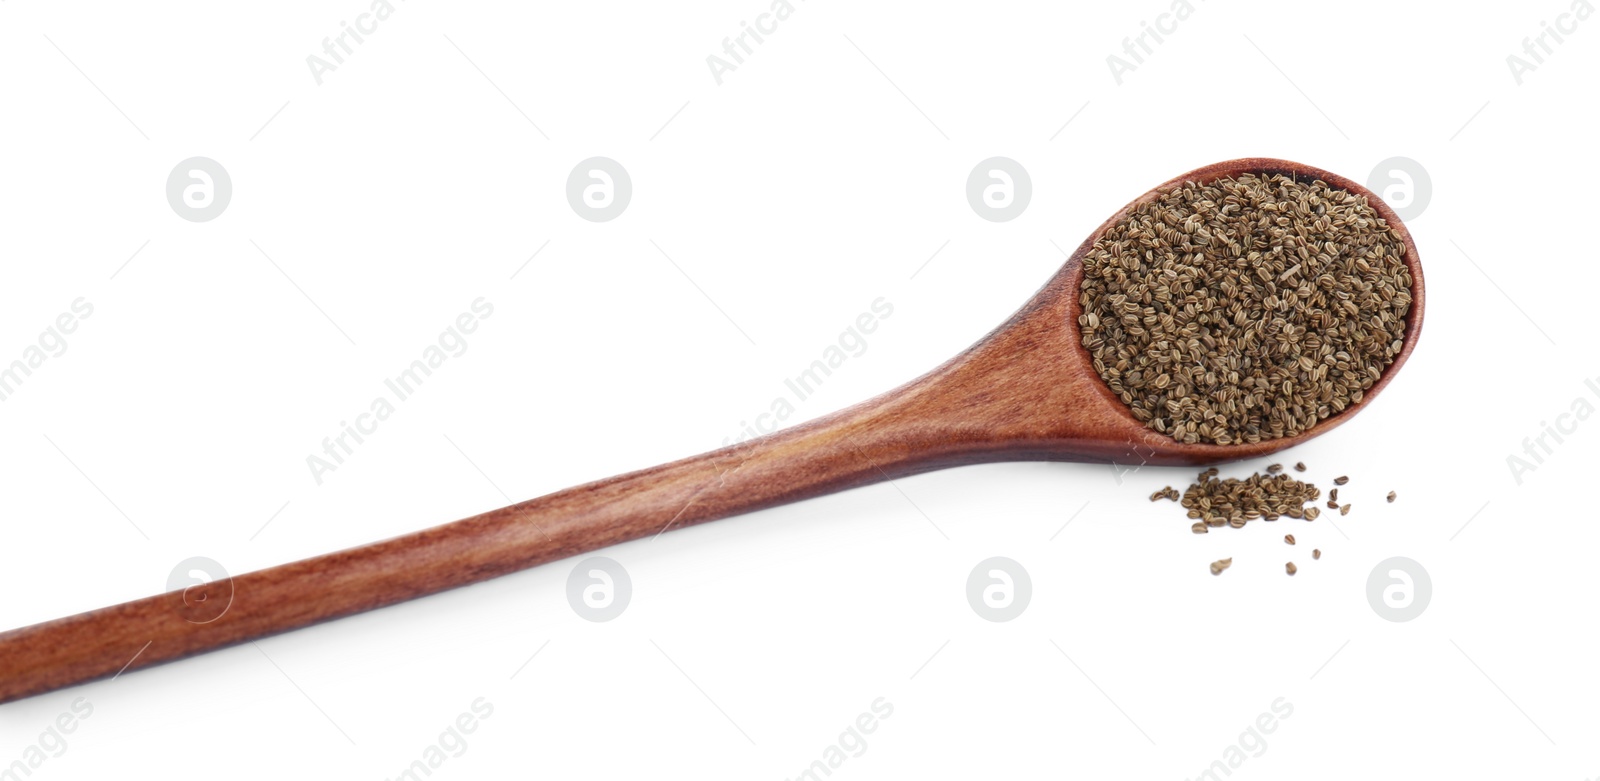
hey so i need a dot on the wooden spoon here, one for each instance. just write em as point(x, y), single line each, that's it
point(1027, 391)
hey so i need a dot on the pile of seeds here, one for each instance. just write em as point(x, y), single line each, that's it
point(1267, 495)
point(1246, 309)
point(1234, 502)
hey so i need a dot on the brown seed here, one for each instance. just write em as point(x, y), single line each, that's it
point(1312, 513)
point(1237, 523)
point(1341, 480)
point(1300, 466)
point(1274, 469)
point(1391, 497)
point(1333, 494)
point(1199, 528)
point(1345, 510)
point(1289, 538)
point(1291, 568)
point(1221, 564)
point(1316, 553)
point(1244, 309)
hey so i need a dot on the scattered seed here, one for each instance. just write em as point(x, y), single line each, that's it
point(1341, 479)
point(1333, 494)
point(1291, 568)
point(1221, 564)
point(1300, 466)
point(1391, 497)
point(1289, 538)
point(1199, 528)
point(1274, 469)
point(1166, 493)
point(1312, 513)
point(1245, 309)
point(1332, 505)
point(1316, 553)
point(1345, 510)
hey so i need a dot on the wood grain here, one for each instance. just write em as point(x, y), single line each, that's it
point(1026, 391)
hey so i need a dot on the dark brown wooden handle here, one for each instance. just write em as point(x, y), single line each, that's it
point(854, 447)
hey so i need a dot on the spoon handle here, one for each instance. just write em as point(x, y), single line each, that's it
point(854, 447)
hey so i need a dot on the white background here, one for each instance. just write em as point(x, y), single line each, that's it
point(807, 185)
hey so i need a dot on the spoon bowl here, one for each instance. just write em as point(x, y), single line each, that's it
point(1039, 358)
point(1026, 391)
